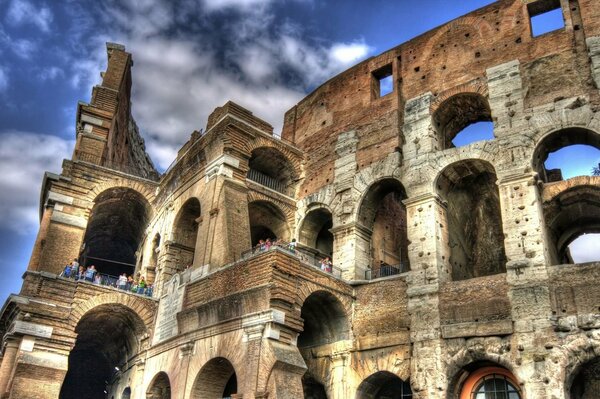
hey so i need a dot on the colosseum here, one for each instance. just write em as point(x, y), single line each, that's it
point(358, 254)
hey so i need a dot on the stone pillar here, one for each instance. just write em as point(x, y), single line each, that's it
point(593, 45)
point(137, 384)
point(428, 251)
point(428, 254)
point(352, 250)
point(506, 98)
point(8, 363)
point(527, 275)
point(420, 138)
point(40, 240)
point(340, 364)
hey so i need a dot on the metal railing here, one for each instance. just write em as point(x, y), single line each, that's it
point(267, 181)
point(107, 280)
point(308, 258)
point(385, 271)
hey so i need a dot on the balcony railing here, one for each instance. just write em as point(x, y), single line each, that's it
point(107, 280)
point(385, 271)
point(268, 181)
point(306, 257)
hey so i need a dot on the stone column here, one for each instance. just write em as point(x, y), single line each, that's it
point(352, 250)
point(428, 251)
point(527, 275)
point(340, 364)
point(428, 254)
point(38, 247)
point(8, 363)
point(420, 138)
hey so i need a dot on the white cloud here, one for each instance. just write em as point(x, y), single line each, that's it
point(24, 157)
point(349, 53)
point(585, 248)
point(22, 12)
point(23, 48)
point(51, 73)
point(214, 5)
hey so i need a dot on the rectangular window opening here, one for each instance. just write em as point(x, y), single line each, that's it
point(545, 16)
point(383, 81)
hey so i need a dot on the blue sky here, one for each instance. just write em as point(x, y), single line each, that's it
point(190, 57)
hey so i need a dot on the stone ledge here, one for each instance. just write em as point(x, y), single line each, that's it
point(478, 329)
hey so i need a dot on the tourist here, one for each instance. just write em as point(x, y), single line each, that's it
point(292, 246)
point(268, 244)
point(80, 273)
point(66, 271)
point(122, 282)
point(90, 273)
point(141, 285)
point(75, 264)
point(326, 265)
point(129, 282)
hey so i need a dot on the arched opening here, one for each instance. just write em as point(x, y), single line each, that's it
point(107, 338)
point(266, 221)
point(115, 230)
point(485, 380)
point(383, 214)
point(160, 387)
point(312, 388)
point(315, 231)
point(463, 119)
point(573, 223)
point(185, 232)
point(126, 393)
point(270, 168)
point(586, 383)
point(384, 385)
point(325, 320)
point(567, 153)
point(217, 379)
point(474, 221)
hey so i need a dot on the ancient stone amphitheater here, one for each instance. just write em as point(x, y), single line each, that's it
point(451, 273)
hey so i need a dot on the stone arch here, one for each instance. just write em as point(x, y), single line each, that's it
point(473, 236)
point(273, 167)
point(159, 387)
point(569, 360)
point(126, 394)
point(475, 355)
point(143, 189)
point(382, 213)
point(267, 220)
point(216, 379)
point(457, 112)
point(184, 234)
point(570, 214)
point(485, 378)
point(144, 307)
point(474, 87)
point(326, 320)
point(115, 228)
point(313, 230)
point(108, 336)
point(556, 138)
point(383, 384)
point(294, 157)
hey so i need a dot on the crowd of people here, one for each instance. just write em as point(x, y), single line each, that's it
point(263, 245)
point(124, 282)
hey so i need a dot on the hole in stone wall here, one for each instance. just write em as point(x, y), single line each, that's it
point(185, 232)
point(160, 387)
point(266, 221)
point(545, 16)
point(270, 168)
point(315, 233)
point(312, 388)
point(216, 379)
point(383, 81)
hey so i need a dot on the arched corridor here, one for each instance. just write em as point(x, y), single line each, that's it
point(160, 387)
point(217, 379)
point(384, 385)
point(107, 337)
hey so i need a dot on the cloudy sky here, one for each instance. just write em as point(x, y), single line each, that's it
point(190, 56)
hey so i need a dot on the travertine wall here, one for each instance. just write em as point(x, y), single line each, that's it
point(481, 229)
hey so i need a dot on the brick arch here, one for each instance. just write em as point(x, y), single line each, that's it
point(478, 25)
point(144, 308)
point(143, 189)
point(307, 288)
point(294, 158)
point(369, 185)
point(478, 86)
point(287, 210)
point(212, 378)
point(556, 189)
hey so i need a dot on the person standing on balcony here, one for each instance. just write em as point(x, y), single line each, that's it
point(292, 246)
point(122, 283)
